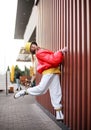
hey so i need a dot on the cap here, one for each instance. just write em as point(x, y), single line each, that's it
point(27, 46)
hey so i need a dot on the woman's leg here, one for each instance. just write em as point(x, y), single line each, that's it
point(39, 89)
point(56, 96)
point(42, 87)
point(55, 92)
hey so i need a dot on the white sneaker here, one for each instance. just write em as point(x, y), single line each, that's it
point(59, 115)
point(19, 94)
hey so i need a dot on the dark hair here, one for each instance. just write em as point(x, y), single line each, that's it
point(33, 42)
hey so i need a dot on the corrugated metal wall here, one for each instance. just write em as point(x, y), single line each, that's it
point(68, 22)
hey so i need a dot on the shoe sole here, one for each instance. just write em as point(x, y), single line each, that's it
point(59, 119)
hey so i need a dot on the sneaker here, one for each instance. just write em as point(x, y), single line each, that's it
point(20, 94)
point(59, 115)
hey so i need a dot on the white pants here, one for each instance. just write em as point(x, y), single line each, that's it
point(51, 82)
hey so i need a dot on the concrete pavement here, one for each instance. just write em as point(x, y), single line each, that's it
point(23, 114)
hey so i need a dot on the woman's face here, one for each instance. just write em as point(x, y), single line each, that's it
point(33, 48)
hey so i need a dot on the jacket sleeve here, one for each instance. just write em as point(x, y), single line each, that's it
point(49, 57)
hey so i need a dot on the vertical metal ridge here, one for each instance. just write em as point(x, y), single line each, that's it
point(79, 82)
point(84, 68)
point(74, 66)
point(64, 69)
point(71, 66)
point(53, 26)
point(59, 22)
point(66, 63)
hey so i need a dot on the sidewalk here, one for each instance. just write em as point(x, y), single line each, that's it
point(23, 114)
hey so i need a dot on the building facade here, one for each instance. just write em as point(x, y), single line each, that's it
point(62, 23)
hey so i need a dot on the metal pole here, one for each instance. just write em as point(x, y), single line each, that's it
point(6, 84)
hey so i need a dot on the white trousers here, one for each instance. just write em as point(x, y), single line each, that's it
point(51, 82)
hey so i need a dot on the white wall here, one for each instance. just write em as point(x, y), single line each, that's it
point(9, 47)
point(31, 24)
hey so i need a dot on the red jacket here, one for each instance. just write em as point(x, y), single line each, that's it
point(48, 59)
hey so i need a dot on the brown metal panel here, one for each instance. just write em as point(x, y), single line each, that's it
point(62, 42)
point(88, 3)
point(45, 42)
point(67, 22)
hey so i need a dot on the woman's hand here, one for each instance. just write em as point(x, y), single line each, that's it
point(64, 50)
